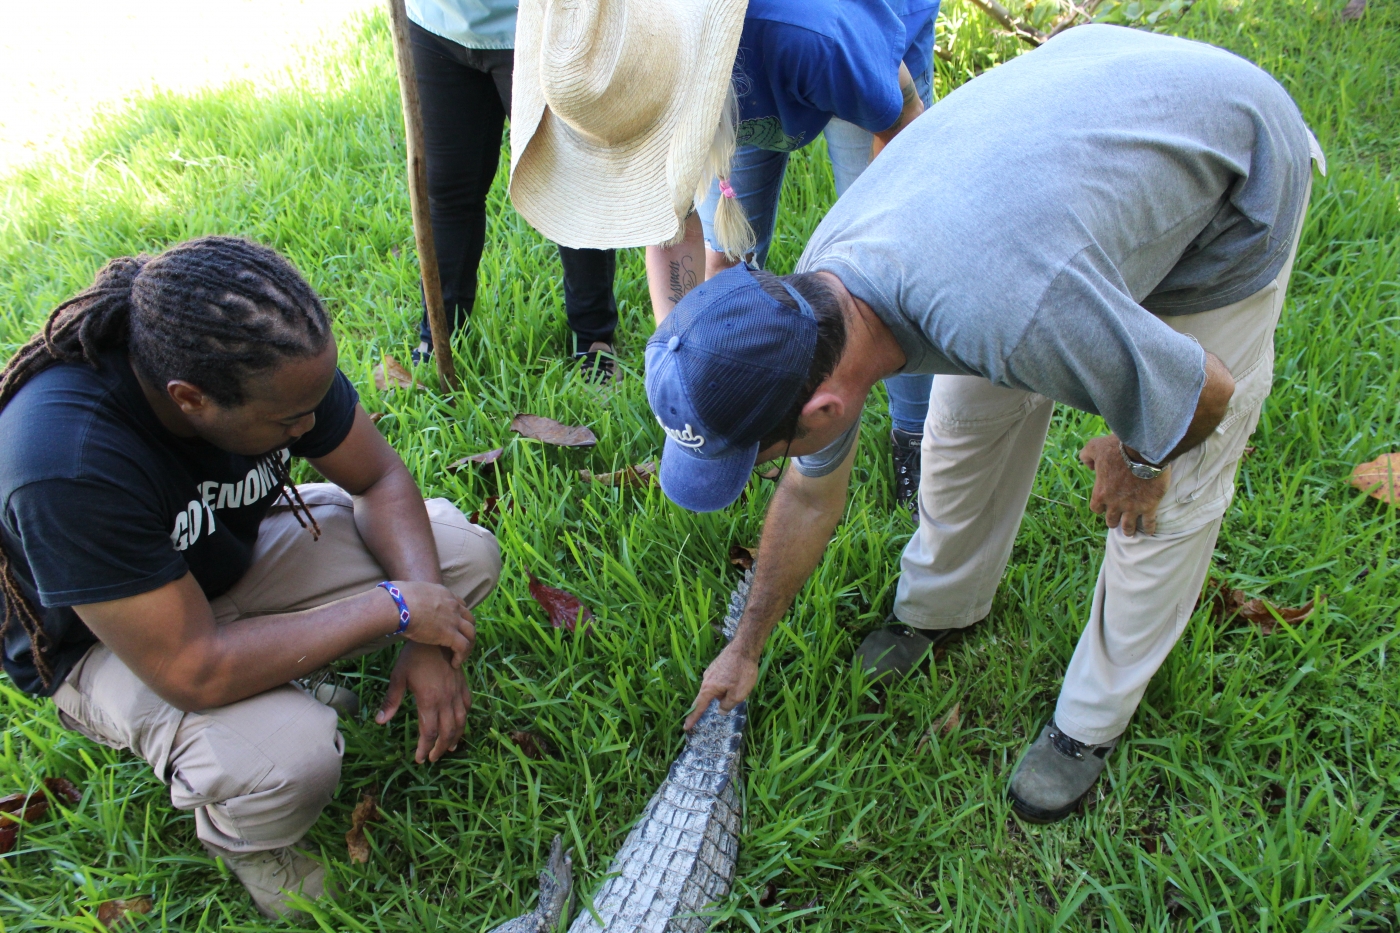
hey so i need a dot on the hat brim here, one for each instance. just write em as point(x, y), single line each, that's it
point(585, 195)
point(704, 484)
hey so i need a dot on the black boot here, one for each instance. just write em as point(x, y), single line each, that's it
point(905, 445)
point(894, 651)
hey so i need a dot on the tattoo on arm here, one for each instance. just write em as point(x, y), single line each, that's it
point(682, 278)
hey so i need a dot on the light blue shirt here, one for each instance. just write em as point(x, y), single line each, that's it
point(476, 24)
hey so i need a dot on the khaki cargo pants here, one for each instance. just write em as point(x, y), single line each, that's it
point(257, 773)
point(982, 446)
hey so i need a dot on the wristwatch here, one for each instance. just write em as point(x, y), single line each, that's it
point(1140, 470)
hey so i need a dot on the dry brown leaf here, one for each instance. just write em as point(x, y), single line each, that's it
point(633, 477)
point(770, 895)
point(366, 811)
point(533, 747)
point(1380, 479)
point(563, 608)
point(30, 808)
point(484, 461)
point(375, 417)
point(1248, 451)
point(1229, 603)
point(952, 720)
point(64, 790)
point(390, 374)
point(1258, 612)
point(552, 432)
point(112, 913)
point(944, 726)
point(740, 556)
point(491, 509)
point(1354, 10)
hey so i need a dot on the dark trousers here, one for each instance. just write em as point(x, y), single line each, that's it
point(465, 95)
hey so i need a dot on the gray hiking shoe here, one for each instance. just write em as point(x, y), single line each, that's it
point(891, 653)
point(1054, 775)
point(270, 874)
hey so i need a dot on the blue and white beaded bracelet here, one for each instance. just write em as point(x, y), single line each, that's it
point(395, 592)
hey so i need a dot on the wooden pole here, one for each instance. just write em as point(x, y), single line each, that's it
point(418, 197)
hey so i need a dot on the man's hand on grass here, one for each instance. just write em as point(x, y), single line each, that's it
point(440, 689)
point(729, 679)
point(1119, 496)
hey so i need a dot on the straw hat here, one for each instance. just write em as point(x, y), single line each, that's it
point(615, 105)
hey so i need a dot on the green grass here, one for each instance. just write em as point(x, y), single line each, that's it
point(1258, 786)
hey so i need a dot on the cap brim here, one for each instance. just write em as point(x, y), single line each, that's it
point(704, 484)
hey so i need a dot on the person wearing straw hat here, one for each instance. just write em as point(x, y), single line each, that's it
point(1135, 270)
point(463, 59)
point(855, 71)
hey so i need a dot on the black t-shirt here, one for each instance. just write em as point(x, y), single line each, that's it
point(98, 501)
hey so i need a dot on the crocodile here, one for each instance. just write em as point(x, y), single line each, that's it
point(681, 854)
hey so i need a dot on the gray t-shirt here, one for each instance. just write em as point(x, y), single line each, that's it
point(1030, 226)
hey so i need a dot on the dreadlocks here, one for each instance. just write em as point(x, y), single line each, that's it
point(211, 311)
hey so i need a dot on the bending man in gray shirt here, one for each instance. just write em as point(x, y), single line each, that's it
point(1123, 210)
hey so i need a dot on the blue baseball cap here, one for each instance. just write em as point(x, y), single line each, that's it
point(721, 372)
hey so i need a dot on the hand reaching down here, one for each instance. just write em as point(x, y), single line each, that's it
point(729, 678)
point(441, 692)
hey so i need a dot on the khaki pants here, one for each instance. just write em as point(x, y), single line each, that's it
point(257, 773)
point(982, 444)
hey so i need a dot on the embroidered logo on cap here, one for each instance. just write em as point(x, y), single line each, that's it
point(685, 438)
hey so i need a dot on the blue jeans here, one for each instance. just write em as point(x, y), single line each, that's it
point(756, 175)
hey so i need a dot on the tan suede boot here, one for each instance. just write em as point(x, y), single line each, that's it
point(271, 873)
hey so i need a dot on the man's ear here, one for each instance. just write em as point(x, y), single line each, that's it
point(823, 407)
point(190, 399)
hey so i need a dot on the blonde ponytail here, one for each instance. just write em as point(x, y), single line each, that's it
point(732, 230)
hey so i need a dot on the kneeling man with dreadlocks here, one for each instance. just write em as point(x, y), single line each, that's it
point(1107, 222)
point(165, 582)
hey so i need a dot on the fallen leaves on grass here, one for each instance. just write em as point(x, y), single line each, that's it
point(944, 726)
point(1150, 840)
point(390, 374)
point(1230, 603)
point(490, 510)
point(533, 747)
point(563, 608)
point(552, 432)
point(112, 913)
point(1353, 10)
point(30, 808)
point(1380, 479)
point(633, 477)
point(770, 895)
point(366, 811)
point(375, 417)
point(483, 461)
point(740, 556)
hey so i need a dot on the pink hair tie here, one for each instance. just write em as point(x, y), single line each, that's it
point(724, 188)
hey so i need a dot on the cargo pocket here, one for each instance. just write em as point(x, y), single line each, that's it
point(215, 763)
point(1203, 479)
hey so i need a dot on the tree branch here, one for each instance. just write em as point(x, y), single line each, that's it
point(996, 11)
